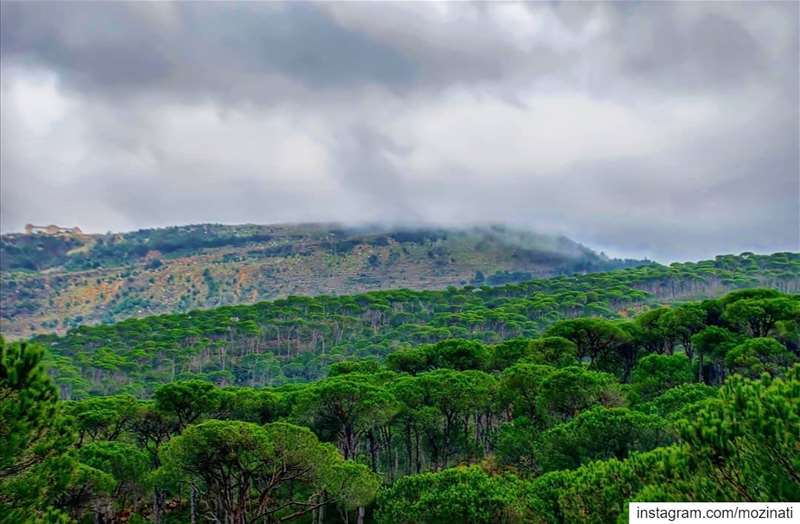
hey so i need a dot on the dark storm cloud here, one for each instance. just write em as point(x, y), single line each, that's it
point(664, 129)
point(190, 49)
point(710, 49)
point(238, 48)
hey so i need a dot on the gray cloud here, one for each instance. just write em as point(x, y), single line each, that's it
point(665, 129)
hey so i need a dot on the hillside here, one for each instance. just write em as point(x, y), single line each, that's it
point(296, 339)
point(566, 427)
point(55, 281)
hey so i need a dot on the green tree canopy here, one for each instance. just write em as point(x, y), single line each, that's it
point(595, 338)
point(34, 434)
point(755, 356)
point(188, 400)
point(568, 391)
point(453, 495)
point(655, 374)
point(599, 433)
point(275, 473)
point(343, 408)
point(552, 351)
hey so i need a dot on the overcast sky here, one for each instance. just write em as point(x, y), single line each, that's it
point(667, 130)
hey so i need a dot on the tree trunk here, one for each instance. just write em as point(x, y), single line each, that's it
point(158, 502)
point(700, 367)
point(409, 451)
point(418, 461)
point(373, 451)
point(688, 348)
point(360, 515)
point(192, 508)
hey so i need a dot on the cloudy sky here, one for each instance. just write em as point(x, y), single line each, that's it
point(667, 130)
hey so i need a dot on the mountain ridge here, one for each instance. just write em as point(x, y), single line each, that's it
point(53, 282)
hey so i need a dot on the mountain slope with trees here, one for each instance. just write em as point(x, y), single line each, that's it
point(298, 338)
point(53, 282)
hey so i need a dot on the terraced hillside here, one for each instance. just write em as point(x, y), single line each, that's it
point(296, 339)
point(51, 283)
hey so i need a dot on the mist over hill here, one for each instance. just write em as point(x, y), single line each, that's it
point(54, 281)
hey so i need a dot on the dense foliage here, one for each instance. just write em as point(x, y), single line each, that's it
point(298, 338)
point(697, 401)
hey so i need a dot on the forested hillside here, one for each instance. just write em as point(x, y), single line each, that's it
point(694, 402)
point(298, 338)
point(427, 332)
point(53, 282)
